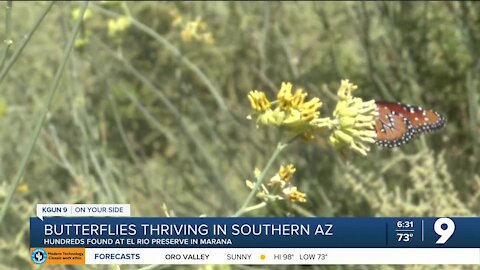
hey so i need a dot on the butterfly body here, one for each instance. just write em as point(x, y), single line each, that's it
point(398, 123)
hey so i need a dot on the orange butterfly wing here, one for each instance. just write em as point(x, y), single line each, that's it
point(392, 128)
point(398, 123)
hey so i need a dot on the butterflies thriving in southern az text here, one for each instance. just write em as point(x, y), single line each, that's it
point(398, 123)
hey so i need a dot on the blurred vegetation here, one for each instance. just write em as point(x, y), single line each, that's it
point(150, 115)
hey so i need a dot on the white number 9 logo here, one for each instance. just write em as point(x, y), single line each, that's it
point(446, 233)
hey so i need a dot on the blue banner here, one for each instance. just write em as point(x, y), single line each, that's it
point(141, 232)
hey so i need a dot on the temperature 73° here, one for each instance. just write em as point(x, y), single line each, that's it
point(404, 237)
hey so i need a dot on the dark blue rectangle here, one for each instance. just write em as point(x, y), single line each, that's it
point(257, 232)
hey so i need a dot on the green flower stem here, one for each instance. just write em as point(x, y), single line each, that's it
point(261, 178)
point(254, 207)
point(24, 43)
point(8, 29)
point(43, 116)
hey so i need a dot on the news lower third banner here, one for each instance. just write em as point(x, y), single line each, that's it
point(141, 240)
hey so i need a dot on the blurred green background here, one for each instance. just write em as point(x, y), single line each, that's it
point(151, 108)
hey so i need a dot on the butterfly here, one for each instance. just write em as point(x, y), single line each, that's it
point(398, 123)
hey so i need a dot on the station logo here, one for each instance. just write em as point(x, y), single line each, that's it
point(39, 256)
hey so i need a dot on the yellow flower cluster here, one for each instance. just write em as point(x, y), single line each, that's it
point(354, 120)
point(259, 101)
point(291, 110)
point(76, 14)
point(352, 124)
point(176, 17)
point(23, 188)
point(295, 195)
point(197, 30)
point(279, 187)
point(192, 30)
point(84, 37)
point(114, 26)
point(118, 25)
